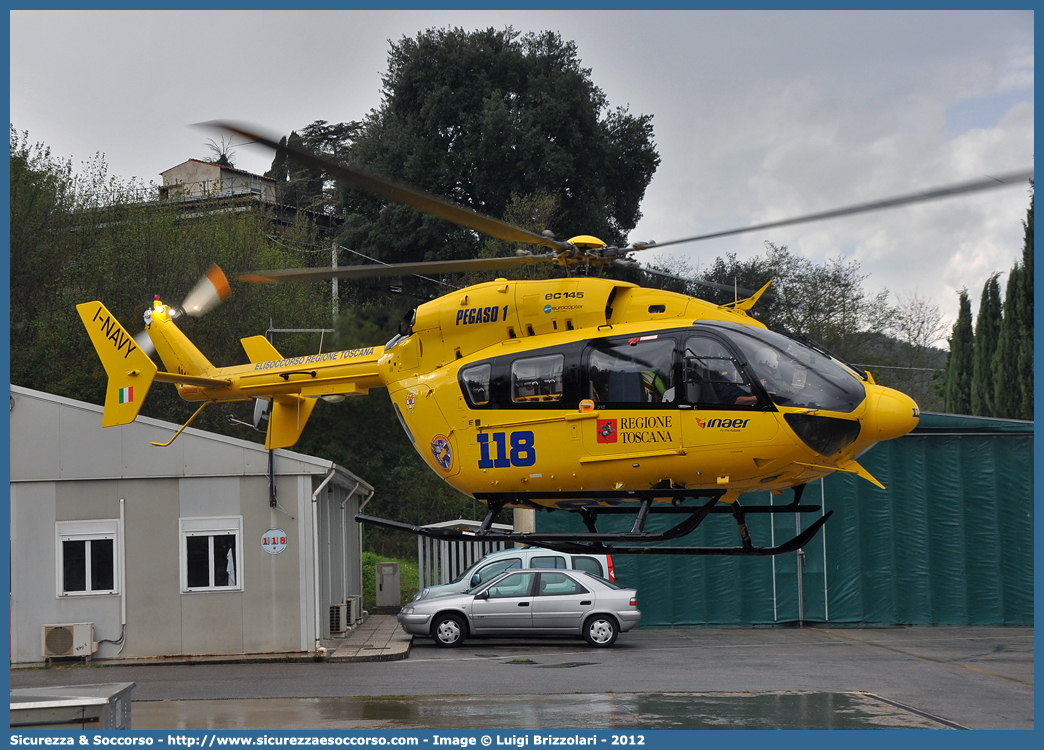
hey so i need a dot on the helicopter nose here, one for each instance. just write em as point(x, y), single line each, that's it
point(889, 414)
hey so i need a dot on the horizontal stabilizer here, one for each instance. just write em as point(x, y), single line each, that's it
point(130, 370)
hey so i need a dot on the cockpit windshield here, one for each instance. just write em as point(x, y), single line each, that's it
point(795, 374)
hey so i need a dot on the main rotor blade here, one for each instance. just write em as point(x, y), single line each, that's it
point(987, 183)
point(392, 269)
point(398, 192)
point(701, 282)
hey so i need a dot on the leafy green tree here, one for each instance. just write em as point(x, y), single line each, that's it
point(91, 236)
point(477, 117)
point(987, 333)
point(960, 362)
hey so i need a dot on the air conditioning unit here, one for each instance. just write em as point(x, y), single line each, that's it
point(74, 639)
point(354, 609)
point(338, 618)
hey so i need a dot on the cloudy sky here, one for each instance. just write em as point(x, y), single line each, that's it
point(757, 115)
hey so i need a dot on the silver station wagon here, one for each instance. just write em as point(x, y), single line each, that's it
point(528, 602)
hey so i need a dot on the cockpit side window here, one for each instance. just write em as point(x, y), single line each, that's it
point(713, 378)
point(632, 372)
point(796, 375)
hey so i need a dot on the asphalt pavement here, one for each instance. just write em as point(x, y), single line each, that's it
point(942, 678)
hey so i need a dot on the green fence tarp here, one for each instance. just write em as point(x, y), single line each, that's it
point(950, 542)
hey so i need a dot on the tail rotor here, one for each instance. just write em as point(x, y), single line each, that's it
point(210, 291)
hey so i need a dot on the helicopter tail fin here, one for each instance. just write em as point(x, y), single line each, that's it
point(130, 370)
point(286, 420)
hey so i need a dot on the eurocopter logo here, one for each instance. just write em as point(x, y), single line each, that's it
point(547, 309)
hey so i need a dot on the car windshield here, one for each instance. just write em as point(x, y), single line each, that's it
point(466, 573)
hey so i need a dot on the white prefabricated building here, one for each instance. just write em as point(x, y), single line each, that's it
point(121, 549)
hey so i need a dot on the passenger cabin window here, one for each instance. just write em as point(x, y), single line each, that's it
point(517, 584)
point(712, 376)
point(558, 584)
point(632, 372)
point(548, 561)
point(475, 381)
point(537, 379)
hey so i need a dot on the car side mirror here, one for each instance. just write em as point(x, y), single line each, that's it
point(476, 579)
point(482, 594)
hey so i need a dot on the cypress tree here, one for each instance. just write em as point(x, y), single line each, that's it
point(1007, 395)
point(987, 333)
point(1025, 314)
point(959, 363)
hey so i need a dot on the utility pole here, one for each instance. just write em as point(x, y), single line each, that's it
point(333, 291)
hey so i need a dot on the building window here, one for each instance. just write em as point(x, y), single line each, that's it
point(211, 554)
point(86, 557)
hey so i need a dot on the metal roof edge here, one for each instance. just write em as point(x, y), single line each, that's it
point(321, 464)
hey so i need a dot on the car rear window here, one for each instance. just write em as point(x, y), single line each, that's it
point(588, 565)
point(605, 582)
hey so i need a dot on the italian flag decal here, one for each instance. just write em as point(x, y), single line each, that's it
point(126, 395)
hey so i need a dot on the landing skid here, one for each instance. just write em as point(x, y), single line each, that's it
point(631, 542)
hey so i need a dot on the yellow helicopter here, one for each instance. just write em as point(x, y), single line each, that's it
point(580, 394)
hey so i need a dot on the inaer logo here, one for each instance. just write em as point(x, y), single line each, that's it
point(725, 423)
point(699, 422)
point(607, 431)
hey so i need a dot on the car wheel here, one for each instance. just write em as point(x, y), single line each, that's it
point(448, 630)
point(600, 631)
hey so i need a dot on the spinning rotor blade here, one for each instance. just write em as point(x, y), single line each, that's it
point(399, 193)
point(208, 293)
point(987, 183)
point(708, 284)
point(562, 253)
point(391, 269)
